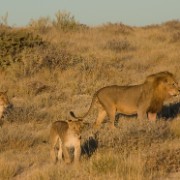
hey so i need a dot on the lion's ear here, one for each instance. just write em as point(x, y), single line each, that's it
point(165, 80)
point(150, 78)
point(4, 92)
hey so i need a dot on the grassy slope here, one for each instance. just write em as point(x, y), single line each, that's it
point(60, 72)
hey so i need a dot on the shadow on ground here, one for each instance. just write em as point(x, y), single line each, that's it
point(170, 111)
point(89, 146)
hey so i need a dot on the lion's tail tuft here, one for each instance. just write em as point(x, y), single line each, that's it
point(73, 115)
point(82, 117)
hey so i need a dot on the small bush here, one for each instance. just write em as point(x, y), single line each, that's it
point(173, 25)
point(4, 20)
point(55, 57)
point(118, 45)
point(16, 138)
point(8, 169)
point(117, 28)
point(164, 160)
point(134, 136)
point(12, 43)
point(43, 24)
point(175, 127)
point(175, 37)
point(105, 164)
point(64, 21)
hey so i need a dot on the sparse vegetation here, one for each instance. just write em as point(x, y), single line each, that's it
point(64, 21)
point(49, 70)
point(118, 45)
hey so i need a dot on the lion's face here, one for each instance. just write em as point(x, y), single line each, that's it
point(171, 86)
point(4, 101)
point(76, 125)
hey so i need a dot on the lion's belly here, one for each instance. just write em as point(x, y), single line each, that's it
point(127, 109)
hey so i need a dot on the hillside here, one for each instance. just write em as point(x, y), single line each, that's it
point(50, 71)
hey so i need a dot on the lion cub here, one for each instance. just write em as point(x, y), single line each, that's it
point(67, 133)
point(4, 104)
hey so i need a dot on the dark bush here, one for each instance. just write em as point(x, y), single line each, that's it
point(13, 42)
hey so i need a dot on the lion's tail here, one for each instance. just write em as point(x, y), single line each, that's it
point(82, 117)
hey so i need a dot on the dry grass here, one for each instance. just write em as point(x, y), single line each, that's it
point(60, 72)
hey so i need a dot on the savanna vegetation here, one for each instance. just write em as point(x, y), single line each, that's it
point(53, 66)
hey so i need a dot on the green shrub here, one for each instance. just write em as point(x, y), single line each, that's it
point(64, 21)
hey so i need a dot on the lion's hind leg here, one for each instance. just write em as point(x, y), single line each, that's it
point(111, 113)
point(101, 115)
point(53, 140)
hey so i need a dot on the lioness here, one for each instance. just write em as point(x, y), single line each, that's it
point(68, 133)
point(145, 99)
point(4, 104)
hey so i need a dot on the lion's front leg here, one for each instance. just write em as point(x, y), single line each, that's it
point(60, 151)
point(142, 115)
point(152, 116)
point(66, 154)
point(77, 153)
point(53, 139)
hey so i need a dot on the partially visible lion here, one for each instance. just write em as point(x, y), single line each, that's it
point(4, 104)
point(68, 135)
point(145, 100)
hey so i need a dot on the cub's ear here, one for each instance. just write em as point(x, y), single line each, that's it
point(4, 92)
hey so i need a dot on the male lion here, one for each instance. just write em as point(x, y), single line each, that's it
point(145, 100)
point(68, 133)
point(4, 104)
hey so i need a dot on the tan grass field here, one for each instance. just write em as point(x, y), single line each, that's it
point(49, 72)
